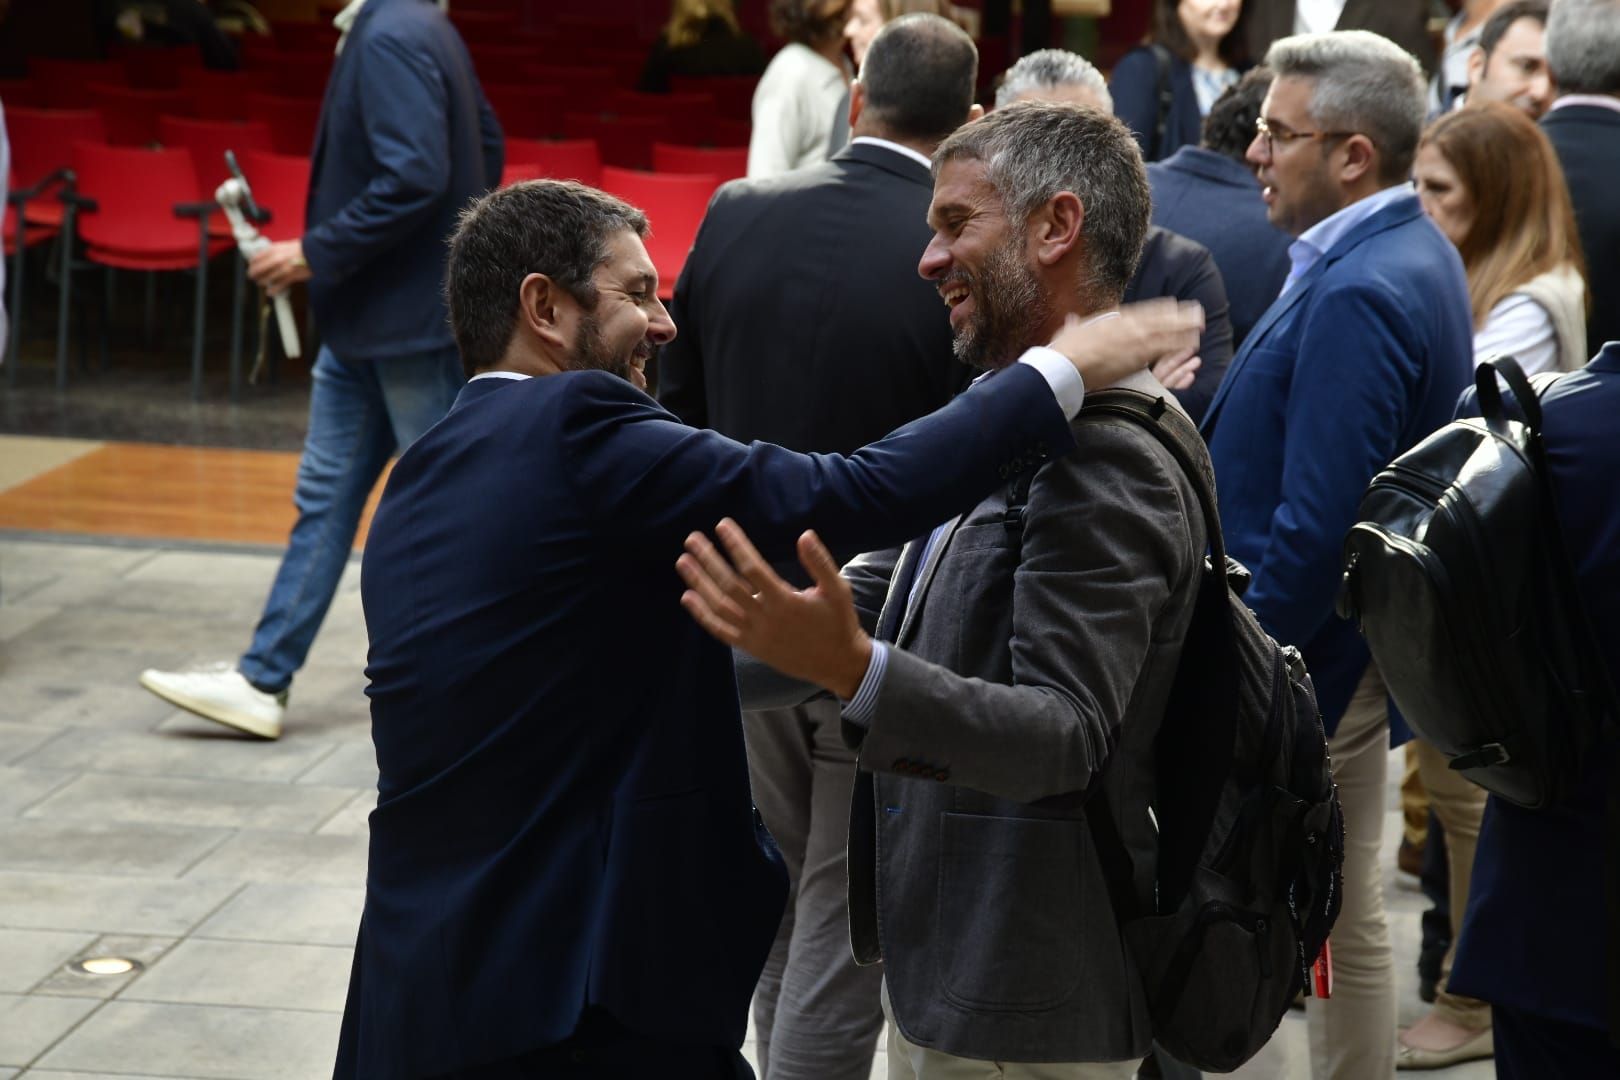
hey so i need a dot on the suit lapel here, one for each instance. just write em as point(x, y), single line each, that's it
point(894, 604)
point(925, 578)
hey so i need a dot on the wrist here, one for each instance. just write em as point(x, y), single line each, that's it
point(846, 682)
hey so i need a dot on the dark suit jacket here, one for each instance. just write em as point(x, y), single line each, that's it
point(1405, 22)
point(1216, 201)
point(802, 318)
point(1365, 355)
point(1587, 139)
point(406, 141)
point(1533, 937)
point(563, 817)
point(1175, 266)
point(1134, 86)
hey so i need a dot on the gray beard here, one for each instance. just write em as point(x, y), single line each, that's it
point(1010, 306)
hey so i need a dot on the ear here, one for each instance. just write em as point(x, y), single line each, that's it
point(975, 113)
point(539, 301)
point(1360, 159)
point(1054, 229)
point(1476, 66)
point(857, 102)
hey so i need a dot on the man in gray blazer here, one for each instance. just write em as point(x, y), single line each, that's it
point(1023, 656)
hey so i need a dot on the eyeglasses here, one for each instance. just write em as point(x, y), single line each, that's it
point(1275, 133)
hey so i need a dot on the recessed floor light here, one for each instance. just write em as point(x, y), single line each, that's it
point(106, 965)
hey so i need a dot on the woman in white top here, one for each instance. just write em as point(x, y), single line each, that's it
point(802, 85)
point(1490, 180)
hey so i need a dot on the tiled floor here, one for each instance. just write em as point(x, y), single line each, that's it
point(231, 869)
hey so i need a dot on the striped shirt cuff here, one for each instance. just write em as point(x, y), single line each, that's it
point(859, 709)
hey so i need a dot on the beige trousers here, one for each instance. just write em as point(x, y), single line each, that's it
point(1460, 807)
point(908, 1061)
point(1352, 1034)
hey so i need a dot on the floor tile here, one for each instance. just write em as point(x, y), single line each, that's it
point(68, 981)
point(199, 569)
point(17, 740)
point(105, 847)
point(17, 619)
point(21, 788)
point(112, 708)
point(250, 974)
point(293, 914)
point(354, 819)
point(213, 755)
point(107, 904)
point(63, 558)
point(288, 858)
point(351, 765)
point(27, 956)
point(202, 1041)
point(192, 802)
point(30, 1024)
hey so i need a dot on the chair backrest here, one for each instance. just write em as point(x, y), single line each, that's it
point(503, 63)
point(625, 141)
point(564, 159)
point(674, 204)
point(485, 26)
point(685, 117)
point(293, 121)
point(42, 139)
point(725, 162)
point(23, 92)
point(280, 184)
point(152, 68)
point(255, 52)
point(303, 73)
point(305, 36)
point(131, 115)
point(136, 191)
point(65, 84)
point(733, 94)
point(586, 85)
point(222, 95)
point(208, 140)
point(527, 111)
point(729, 132)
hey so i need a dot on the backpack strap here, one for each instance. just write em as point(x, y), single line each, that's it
point(1166, 96)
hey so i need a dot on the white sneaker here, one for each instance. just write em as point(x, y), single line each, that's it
point(223, 695)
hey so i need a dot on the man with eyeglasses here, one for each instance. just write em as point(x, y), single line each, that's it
point(1363, 354)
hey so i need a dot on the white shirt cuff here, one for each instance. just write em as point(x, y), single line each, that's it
point(1060, 375)
point(859, 709)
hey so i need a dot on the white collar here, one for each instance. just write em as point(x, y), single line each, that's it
point(518, 376)
point(873, 140)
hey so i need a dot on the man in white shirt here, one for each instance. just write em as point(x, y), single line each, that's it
point(1510, 62)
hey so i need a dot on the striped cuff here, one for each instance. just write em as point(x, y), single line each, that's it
point(859, 709)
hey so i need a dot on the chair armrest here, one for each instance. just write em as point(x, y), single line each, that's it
point(80, 202)
point(22, 195)
point(195, 209)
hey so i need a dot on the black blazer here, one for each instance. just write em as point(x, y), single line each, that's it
point(802, 318)
point(1134, 87)
point(1587, 140)
point(1405, 22)
point(1173, 265)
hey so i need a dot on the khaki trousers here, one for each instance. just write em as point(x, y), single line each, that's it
point(1460, 806)
point(1352, 1034)
point(908, 1061)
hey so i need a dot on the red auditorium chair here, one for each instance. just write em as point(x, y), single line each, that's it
point(65, 84)
point(674, 205)
point(685, 117)
point(42, 144)
point(19, 236)
point(139, 209)
point(526, 110)
point(585, 85)
point(222, 95)
point(131, 115)
point(153, 68)
point(257, 53)
point(280, 184)
point(305, 36)
point(303, 73)
point(293, 121)
point(208, 140)
point(564, 159)
point(625, 141)
point(733, 94)
point(504, 63)
point(14, 92)
point(729, 133)
point(725, 162)
point(485, 26)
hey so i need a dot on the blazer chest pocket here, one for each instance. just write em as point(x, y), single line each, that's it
point(1010, 911)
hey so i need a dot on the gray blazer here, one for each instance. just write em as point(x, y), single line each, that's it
point(1022, 668)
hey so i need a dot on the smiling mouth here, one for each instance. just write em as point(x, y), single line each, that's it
point(954, 294)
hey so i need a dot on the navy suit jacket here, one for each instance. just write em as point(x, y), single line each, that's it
point(406, 140)
point(1208, 197)
point(1587, 140)
point(564, 817)
point(1134, 86)
point(1533, 937)
point(1364, 356)
point(1173, 265)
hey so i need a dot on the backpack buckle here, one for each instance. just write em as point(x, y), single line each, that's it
point(1482, 758)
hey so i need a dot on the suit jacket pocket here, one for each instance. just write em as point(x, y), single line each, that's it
point(1010, 911)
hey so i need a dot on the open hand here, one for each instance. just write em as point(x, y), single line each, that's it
point(1105, 351)
point(279, 267)
point(812, 634)
point(1176, 372)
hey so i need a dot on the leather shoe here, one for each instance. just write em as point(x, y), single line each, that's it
point(1474, 1048)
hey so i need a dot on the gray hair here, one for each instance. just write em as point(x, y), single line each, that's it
point(1362, 83)
point(1583, 46)
point(1049, 69)
point(1032, 150)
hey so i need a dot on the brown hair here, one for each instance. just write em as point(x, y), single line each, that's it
point(1524, 224)
point(809, 22)
point(1168, 31)
point(687, 18)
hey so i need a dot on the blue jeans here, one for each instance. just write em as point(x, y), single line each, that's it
point(359, 416)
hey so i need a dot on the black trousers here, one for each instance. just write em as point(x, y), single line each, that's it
point(603, 1049)
point(1530, 1047)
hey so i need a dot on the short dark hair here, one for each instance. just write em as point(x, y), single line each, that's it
point(553, 227)
point(1496, 27)
point(919, 76)
point(808, 21)
point(1168, 31)
point(1229, 127)
point(1032, 150)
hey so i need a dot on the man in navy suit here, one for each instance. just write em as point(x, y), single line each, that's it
point(567, 877)
point(406, 139)
point(1535, 942)
point(1363, 354)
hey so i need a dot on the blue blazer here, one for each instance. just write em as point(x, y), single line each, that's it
point(1533, 938)
point(1364, 356)
point(1134, 86)
point(406, 140)
point(1208, 197)
point(564, 817)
